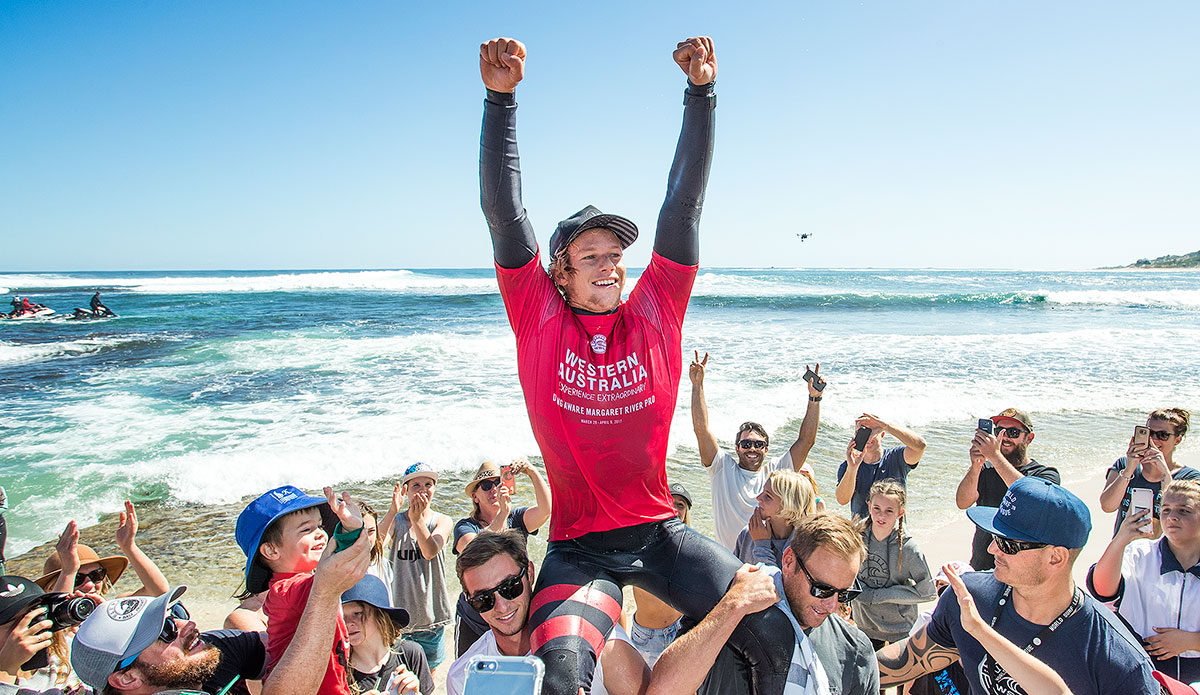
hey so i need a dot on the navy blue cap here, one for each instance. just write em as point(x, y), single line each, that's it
point(260, 514)
point(591, 218)
point(1038, 511)
point(370, 589)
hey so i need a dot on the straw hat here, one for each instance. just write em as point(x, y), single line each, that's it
point(487, 469)
point(114, 565)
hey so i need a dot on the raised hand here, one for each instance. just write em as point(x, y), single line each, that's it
point(697, 58)
point(502, 64)
point(519, 466)
point(968, 614)
point(1131, 528)
point(813, 392)
point(397, 499)
point(987, 445)
point(337, 572)
point(505, 502)
point(872, 421)
point(345, 508)
point(853, 455)
point(417, 504)
point(127, 528)
point(696, 368)
point(68, 548)
point(30, 635)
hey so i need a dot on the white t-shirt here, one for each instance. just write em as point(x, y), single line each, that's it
point(733, 491)
point(456, 677)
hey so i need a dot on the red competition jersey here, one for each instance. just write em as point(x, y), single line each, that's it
point(284, 605)
point(600, 391)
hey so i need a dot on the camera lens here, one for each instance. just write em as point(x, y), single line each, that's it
point(65, 612)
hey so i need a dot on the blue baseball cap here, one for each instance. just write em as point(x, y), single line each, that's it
point(1038, 511)
point(254, 520)
point(370, 589)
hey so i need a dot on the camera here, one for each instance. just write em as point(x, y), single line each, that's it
point(63, 611)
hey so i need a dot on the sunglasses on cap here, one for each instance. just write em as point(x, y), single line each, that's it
point(752, 444)
point(170, 631)
point(488, 483)
point(1162, 435)
point(95, 576)
point(485, 599)
point(1008, 546)
point(1010, 432)
point(822, 590)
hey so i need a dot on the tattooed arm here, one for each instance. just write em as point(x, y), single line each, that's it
point(904, 661)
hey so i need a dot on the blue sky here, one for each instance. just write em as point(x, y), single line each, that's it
point(201, 135)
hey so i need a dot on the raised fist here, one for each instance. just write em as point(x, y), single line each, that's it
point(502, 64)
point(697, 58)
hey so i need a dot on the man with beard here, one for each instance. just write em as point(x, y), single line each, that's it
point(998, 461)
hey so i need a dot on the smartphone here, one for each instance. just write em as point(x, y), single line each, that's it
point(860, 438)
point(817, 382)
point(1141, 436)
point(504, 675)
point(508, 480)
point(1142, 498)
point(985, 424)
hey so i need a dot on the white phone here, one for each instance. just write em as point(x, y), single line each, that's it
point(1142, 498)
point(504, 675)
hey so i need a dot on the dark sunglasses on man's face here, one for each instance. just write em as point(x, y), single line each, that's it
point(1010, 432)
point(1008, 546)
point(752, 444)
point(95, 576)
point(487, 484)
point(485, 599)
point(1162, 435)
point(823, 591)
point(169, 633)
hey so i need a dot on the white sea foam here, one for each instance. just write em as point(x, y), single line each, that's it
point(383, 280)
point(22, 353)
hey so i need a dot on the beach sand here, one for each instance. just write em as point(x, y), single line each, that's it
point(209, 603)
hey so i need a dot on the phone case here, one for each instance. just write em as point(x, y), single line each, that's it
point(1142, 498)
point(508, 480)
point(504, 675)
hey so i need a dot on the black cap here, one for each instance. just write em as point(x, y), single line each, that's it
point(591, 218)
point(679, 489)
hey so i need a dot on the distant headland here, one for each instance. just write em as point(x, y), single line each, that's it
point(1190, 260)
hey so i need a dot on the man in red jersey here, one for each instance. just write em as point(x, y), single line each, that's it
point(600, 378)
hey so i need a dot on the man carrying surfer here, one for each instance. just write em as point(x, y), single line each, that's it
point(600, 378)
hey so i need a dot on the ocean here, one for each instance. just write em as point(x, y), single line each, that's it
point(212, 387)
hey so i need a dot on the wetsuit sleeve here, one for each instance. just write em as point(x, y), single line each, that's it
point(513, 241)
point(678, 235)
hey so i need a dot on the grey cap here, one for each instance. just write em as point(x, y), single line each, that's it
point(679, 489)
point(591, 218)
point(117, 630)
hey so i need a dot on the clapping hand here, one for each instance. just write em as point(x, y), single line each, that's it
point(347, 511)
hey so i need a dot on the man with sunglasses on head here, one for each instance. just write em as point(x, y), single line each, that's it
point(737, 482)
point(997, 461)
point(829, 656)
point(1031, 599)
point(497, 578)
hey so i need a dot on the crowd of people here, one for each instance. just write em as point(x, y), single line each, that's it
point(789, 595)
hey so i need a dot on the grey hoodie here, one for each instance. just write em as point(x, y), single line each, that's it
point(887, 608)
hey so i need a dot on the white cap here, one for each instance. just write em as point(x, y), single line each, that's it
point(116, 630)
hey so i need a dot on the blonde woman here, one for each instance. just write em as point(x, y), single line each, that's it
point(786, 498)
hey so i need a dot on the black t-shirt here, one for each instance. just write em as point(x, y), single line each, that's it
point(243, 656)
point(991, 488)
point(405, 652)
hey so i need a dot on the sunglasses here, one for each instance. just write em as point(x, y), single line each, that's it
point(169, 633)
point(1010, 432)
point(95, 576)
point(752, 444)
point(1009, 546)
point(1162, 435)
point(485, 600)
point(487, 484)
point(822, 590)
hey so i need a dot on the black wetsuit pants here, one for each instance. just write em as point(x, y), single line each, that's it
point(578, 599)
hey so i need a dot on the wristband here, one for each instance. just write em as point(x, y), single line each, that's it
point(815, 399)
point(343, 539)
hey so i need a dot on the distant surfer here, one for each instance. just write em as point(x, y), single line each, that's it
point(600, 378)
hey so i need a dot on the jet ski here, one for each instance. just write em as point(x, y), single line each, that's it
point(39, 312)
point(82, 314)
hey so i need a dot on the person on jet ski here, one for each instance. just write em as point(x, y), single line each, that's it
point(98, 308)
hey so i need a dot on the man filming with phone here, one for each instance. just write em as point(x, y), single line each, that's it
point(737, 482)
point(998, 459)
point(868, 462)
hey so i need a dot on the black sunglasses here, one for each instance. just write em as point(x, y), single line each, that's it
point(485, 600)
point(752, 444)
point(487, 484)
point(1008, 546)
point(1162, 435)
point(823, 591)
point(95, 576)
point(1010, 432)
point(170, 631)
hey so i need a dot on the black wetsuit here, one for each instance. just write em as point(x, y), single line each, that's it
point(667, 558)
